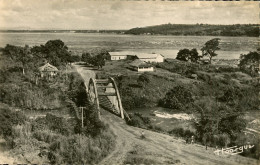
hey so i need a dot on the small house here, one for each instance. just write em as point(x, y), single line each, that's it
point(141, 66)
point(48, 70)
point(150, 57)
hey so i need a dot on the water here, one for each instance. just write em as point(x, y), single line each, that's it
point(231, 47)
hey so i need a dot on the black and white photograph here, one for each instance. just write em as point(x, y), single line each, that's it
point(135, 82)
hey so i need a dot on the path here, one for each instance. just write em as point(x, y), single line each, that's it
point(156, 148)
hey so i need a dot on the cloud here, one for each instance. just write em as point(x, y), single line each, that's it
point(82, 14)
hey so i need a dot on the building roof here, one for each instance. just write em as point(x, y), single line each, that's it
point(47, 68)
point(123, 53)
point(139, 55)
point(139, 63)
point(147, 55)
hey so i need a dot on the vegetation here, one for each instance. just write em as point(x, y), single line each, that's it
point(178, 98)
point(95, 57)
point(250, 30)
point(186, 55)
point(248, 62)
point(54, 139)
point(210, 48)
point(218, 99)
point(143, 79)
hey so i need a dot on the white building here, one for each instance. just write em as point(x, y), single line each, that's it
point(147, 57)
point(141, 66)
point(120, 55)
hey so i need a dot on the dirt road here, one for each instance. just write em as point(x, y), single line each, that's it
point(155, 148)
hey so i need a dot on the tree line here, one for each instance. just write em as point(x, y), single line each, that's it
point(250, 30)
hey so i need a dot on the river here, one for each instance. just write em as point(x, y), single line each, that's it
point(231, 47)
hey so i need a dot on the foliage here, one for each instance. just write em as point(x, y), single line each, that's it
point(249, 61)
point(54, 51)
point(217, 119)
point(198, 30)
point(186, 54)
point(180, 132)
point(92, 124)
point(95, 58)
point(9, 119)
point(78, 149)
point(143, 79)
point(55, 146)
point(177, 98)
point(19, 54)
point(231, 96)
point(138, 120)
point(210, 47)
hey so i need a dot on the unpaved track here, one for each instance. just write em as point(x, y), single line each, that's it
point(161, 148)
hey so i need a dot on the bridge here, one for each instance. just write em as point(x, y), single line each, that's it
point(104, 93)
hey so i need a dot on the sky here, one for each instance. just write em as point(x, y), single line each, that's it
point(87, 14)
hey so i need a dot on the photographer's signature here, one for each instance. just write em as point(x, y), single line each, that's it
point(233, 150)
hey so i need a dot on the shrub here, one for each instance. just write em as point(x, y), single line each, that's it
point(177, 98)
point(78, 149)
point(138, 120)
point(9, 119)
point(180, 132)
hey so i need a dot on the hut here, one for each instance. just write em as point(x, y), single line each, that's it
point(48, 70)
point(141, 66)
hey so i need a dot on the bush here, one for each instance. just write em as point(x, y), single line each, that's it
point(138, 120)
point(177, 98)
point(180, 132)
point(9, 119)
point(78, 149)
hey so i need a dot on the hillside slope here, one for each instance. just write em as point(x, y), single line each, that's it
point(198, 29)
point(156, 148)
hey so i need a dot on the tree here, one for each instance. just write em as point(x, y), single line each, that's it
point(194, 55)
point(217, 119)
point(186, 54)
point(210, 47)
point(55, 51)
point(19, 54)
point(183, 55)
point(95, 59)
point(177, 98)
point(86, 57)
point(248, 62)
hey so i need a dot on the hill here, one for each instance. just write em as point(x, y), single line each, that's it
point(250, 30)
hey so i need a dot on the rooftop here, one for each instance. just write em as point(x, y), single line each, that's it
point(123, 53)
point(47, 68)
point(139, 55)
point(147, 55)
point(139, 63)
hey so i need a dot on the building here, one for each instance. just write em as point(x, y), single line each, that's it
point(147, 57)
point(150, 57)
point(120, 55)
point(141, 66)
point(48, 70)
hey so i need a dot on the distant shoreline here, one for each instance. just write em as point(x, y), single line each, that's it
point(110, 32)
